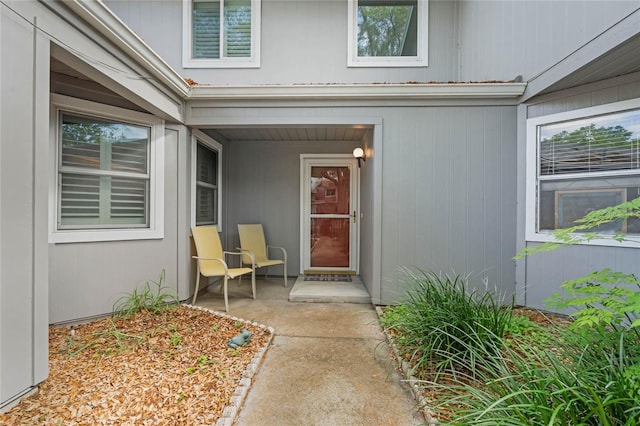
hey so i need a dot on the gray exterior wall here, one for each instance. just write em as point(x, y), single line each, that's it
point(23, 206)
point(86, 279)
point(445, 192)
point(303, 41)
point(540, 275)
point(502, 39)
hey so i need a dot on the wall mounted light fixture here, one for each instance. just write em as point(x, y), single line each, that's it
point(358, 153)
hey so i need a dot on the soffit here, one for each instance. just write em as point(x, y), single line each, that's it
point(297, 134)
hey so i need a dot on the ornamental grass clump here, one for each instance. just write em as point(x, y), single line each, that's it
point(441, 326)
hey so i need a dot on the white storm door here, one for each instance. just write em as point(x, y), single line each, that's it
point(329, 213)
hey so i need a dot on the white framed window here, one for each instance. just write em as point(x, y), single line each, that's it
point(388, 33)
point(580, 161)
point(107, 173)
point(221, 33)
point(206, 181)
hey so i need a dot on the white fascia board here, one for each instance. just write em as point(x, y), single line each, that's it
point(102, 19)
point(362, 91)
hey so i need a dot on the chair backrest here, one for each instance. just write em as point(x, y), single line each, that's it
point(208, 246)
point(252, 239)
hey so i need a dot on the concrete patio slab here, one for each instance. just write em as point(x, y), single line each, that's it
point(329, 291)
point(328, 363)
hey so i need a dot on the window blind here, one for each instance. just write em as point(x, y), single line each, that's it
point(590, 148)
point(237, 28)
point(206, 30)
point(103, 173)
point(206, 186)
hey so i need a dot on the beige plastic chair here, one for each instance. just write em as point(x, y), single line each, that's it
point(211, 261)
point(256, 251)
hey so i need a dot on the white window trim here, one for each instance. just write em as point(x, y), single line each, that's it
point(531, 233)
point(421, 60)
point(199, 137)
point(251, 62)
point(156, 172)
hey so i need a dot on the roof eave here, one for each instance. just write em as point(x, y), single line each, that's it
point(101, 18)
point(360, 91)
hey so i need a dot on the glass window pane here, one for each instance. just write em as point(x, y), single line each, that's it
point(330, 191)
point(562, 202)
point(330, 243)
point(207, 164)
point(104, 145)
point(237, 28)
point(205, 21)
point(387, 28)
point(595, 144)
point(206, 186)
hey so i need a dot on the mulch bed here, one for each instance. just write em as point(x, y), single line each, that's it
point(171, 368)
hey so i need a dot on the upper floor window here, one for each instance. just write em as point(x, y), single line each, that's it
point(223, 33)
point(584, 160)
point(108, 181)
point(389, 33)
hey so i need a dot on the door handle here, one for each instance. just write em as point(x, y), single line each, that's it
point(354, 216)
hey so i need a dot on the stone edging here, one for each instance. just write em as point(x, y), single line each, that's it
point(231, 411)
point(408, 379)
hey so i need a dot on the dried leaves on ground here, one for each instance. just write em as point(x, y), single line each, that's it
point(171, 368)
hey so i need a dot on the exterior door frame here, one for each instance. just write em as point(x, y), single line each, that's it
point(306, 161)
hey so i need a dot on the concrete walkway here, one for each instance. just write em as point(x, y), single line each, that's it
point(328, 364)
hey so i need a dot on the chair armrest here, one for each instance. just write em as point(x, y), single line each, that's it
point(224, 264)
point(284, 252)
point(248, 253)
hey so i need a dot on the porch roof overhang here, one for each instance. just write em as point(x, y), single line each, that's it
point(374, 91)
point(612, 53)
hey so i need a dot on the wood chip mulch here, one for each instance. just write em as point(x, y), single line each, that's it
point(171, 368)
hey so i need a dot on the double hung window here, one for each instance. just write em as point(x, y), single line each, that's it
point(206, 180)
point(584, 160)
point(387, 33)
point(107, 179)
point(222, 33)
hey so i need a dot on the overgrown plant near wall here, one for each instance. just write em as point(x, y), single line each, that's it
point(437, 311)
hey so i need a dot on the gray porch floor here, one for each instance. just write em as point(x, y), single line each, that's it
point(329, 291)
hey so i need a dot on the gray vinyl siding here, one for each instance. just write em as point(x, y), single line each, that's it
point(86, 279)
point(542, 274)
point(303, 41)
point(503, 39)
point(447, 195)
point(263, 186)
point(23, 206)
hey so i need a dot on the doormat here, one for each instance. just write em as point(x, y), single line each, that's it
point(328, 277)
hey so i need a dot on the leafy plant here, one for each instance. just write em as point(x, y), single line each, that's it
point(437, 312)
point(109, 341)
point(153, 297)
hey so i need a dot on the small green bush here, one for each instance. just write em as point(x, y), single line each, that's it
point(153, 297)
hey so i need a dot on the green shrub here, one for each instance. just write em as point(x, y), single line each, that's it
point(437, 312)
point(584, 380)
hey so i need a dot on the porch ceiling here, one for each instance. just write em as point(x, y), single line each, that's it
point(297, 133)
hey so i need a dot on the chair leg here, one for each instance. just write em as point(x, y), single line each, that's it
point(253, 283)
point(266, 272)
point(226, 295)
point(195, 293)
point(285, 276)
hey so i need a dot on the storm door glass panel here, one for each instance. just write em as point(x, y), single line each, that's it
point(387, 28)
point(330, 216)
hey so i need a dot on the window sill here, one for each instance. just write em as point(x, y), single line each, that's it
point(86, 236)
point(544, 237)
point(220, 63)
